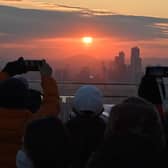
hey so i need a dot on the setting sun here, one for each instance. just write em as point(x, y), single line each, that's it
point(87, 40)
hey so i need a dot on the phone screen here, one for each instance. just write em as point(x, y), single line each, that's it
point(33, 65)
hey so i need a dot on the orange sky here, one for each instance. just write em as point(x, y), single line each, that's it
point(101, 48)
point(58, 34)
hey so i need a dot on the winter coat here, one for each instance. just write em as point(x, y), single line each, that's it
point(12, 121)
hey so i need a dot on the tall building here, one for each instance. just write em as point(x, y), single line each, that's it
point(136, 64)
point(119, 68)
point(135, 53)
point(121, 58)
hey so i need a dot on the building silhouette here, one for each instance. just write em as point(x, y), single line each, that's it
point(121, 58)
point(118, 69)
point(114, 70)
point(135, 64)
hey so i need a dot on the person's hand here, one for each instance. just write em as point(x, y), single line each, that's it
point(45, 69)
point(15, 67)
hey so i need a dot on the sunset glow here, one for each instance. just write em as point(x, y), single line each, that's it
point(98, 30)
point(87, 40)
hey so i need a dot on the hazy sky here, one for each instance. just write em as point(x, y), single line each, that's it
point(55, 27)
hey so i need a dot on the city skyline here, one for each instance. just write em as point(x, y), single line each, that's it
point(116, 69)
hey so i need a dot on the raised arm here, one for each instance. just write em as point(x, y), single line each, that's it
point(50, 105)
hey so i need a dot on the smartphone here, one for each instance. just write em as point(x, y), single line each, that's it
point(33, 65)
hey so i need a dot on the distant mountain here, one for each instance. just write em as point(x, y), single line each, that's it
point(79, 61)
point(76, 63)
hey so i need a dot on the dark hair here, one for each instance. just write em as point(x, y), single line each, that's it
point(13, 93)
point(46, 143)
point(16, 94)
point(135, 117)
point(34, 100)
point(149, 90)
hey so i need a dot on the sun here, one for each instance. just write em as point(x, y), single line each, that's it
point(87, 40)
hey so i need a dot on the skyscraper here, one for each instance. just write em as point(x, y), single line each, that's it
point(121, 58)
point(119, 67)
point(136, 64)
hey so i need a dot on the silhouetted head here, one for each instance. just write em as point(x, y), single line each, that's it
point(88, 100)
point(149, 90)
point(136, 118)
point(15, 93)
point(46, 143)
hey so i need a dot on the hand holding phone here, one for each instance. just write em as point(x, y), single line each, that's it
point(45, 69)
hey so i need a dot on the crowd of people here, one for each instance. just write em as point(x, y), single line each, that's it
point(33, 136)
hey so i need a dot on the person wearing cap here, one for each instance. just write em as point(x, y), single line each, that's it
point(87, 127)
point(14, 112)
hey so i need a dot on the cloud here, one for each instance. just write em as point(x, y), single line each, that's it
point(72, 7)
point(86, 10)
point(24, 24)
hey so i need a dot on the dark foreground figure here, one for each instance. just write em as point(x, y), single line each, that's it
point(87, 127)
point(134, 138)
point(46, 145)
point(16, 109)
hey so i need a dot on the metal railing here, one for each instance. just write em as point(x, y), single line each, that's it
point(113, 92)
point(119, 90)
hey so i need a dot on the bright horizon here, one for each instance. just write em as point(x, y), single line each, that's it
point(55, 29)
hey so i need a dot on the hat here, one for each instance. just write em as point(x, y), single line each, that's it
point(88, 99)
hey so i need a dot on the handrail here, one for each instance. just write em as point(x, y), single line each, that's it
point(90, 83)
point(69, 95)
